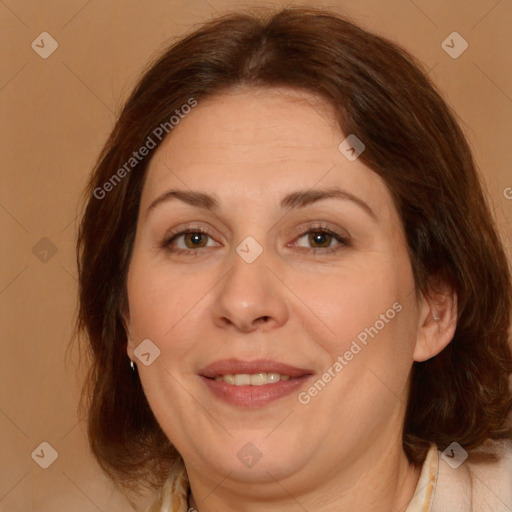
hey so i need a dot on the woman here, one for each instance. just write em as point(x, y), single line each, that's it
point(291, 284)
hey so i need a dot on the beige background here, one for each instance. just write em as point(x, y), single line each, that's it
point(56, 114)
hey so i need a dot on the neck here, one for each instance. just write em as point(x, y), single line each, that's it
point(382, 480)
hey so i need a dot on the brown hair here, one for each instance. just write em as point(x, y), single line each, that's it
point(412, 141)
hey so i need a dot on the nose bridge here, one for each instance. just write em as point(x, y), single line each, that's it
point(249, 294)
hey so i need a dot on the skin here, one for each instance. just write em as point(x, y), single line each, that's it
point(249, 148)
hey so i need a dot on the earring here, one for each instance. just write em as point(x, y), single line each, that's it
point(132, 365)
point(436, 317)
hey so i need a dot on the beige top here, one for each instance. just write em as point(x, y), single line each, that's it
point(482, 483)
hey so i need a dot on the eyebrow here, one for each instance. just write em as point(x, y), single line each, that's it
point(295, 200)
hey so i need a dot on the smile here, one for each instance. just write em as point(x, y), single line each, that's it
point(252, 384)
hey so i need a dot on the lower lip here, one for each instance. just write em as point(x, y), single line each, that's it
point(253, 396)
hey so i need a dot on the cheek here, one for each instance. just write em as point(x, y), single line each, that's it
point(368, 353)
point(362, 304)
point(161, 299)
point(161, 305)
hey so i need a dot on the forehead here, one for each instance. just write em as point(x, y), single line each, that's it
point(259, 140)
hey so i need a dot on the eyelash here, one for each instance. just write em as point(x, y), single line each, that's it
point(344, 241)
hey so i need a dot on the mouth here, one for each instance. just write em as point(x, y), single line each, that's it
point(252, 383)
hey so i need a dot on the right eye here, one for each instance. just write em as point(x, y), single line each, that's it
point(188, 241)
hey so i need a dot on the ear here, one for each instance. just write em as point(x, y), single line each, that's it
point(437, 320)
point(130, 346)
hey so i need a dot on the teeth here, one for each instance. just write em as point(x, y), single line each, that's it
point(242, 379)
point(256, 379)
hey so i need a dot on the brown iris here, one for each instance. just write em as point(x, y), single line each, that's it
point(320, 238)
point(195, 239)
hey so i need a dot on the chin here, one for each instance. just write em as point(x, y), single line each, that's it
point(254, 459)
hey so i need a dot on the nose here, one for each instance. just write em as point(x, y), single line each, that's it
point(250, 297)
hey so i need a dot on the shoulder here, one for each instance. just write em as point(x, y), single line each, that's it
point(482, 482)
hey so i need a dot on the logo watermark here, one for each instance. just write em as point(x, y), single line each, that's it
point(454, 455)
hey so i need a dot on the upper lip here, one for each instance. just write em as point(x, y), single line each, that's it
point(237, 366)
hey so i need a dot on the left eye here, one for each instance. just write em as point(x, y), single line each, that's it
point(320, 239)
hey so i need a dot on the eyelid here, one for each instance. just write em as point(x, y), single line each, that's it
point(308, 227)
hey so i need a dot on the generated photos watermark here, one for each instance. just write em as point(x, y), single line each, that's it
point(158, 133)
point(357, 345)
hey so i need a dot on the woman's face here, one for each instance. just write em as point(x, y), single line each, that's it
point(294, 275)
